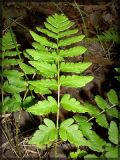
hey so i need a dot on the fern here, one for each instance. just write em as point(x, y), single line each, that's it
point(48, 59)
point(110, 35)
point(13, 82)
point(96, 143)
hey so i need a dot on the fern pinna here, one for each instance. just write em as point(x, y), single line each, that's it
point(49, 59)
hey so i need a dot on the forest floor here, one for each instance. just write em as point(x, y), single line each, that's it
point(91, 20)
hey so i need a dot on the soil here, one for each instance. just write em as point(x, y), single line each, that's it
point(28, 15)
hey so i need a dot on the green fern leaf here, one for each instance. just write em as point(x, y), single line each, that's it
point(28, 102)
point(8, 62)
point(15, 83)
point(113, 132)
point(102, 121)
point(12, 73)
point(67, 33)
point(101, 102)
point(112, 153)
point(45, 69)
point(92, 110)
point(74, 67)
point(7, 42)
point(42, 55)
point(9, 54)
point(42, 40)
point(70, 104)
point(38, 46)
point(42, 90)
point(14, 88)
point(75, 51)
point(45, 135)
point(75, 81)
point(112, 112)
point(69, 41)
point(69, 131)
point(80, 118)
point(11, 105)
point(44, 86)
point(18, 82)
point(112, 97)
point(44, 107)
point(26, 69)
point(48, 33)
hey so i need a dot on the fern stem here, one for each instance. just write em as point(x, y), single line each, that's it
point(58, 112)
point(58, 103)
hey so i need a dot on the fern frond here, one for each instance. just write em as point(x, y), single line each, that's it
point(110, 35)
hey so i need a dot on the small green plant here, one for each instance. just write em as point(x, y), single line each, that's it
point(48, 70)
